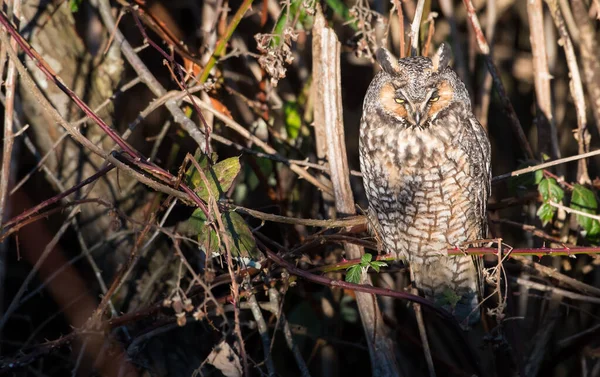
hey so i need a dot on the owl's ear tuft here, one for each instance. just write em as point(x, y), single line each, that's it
point(441, 58)
point(387, 61)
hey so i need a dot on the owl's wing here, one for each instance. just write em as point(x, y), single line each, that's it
point(478, 148)
point(480, 154)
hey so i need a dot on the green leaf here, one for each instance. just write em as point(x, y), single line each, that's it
point(376, 265)
point(366, 259)
point(546, 213)
point(207, 236)
point(550, 190)
point(584, 200)
point(342, 10)
point(293, 119)
point(242, 240)
point(74, 5)
point(538, 176)
point(594, 230)
point(353, 273)
point(449, 298)
point(525, 181)
point(220, 177)
point(226, 171)
point(287, 13)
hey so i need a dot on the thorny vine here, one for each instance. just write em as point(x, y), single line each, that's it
point(267, 253)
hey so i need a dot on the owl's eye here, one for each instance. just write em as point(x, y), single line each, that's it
point(399, 100)
point(434, 99)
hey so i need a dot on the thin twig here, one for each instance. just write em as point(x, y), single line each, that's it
point(45, 253)
point(118, 279)
point(422, 330)
point(589, 49)
point(222, 43)
point(328, 116)
point(235, 290)
point(576, 89)
point(414, 28)
point(175, 96)
point(76, 134)
point(76, 124)
point(561, 292)
point(485, 50)
point(460, 63)
point(9, 109)
point(262, 328)
point(147, 77)
point(322, 280)
point(53, 77)
point(486, 88)
point(56, 198)
point(287, 332)
point(530, 228)
point(546, 123)
point(398, 6)
point(561, 278)
point(575, 211)
point(341, 223)
point(320, 167)
point(545, 165)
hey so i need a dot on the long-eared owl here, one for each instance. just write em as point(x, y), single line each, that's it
point(425, 161)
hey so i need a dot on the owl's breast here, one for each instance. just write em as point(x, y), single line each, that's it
point(421, 188)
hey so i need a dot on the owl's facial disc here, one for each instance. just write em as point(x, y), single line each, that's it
point(444, 95)
point(416, 111)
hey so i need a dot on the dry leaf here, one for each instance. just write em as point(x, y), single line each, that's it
point(224, 359)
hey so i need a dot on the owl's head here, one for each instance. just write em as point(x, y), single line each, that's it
point(415, 91)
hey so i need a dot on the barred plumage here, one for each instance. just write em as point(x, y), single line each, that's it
point(425, 161)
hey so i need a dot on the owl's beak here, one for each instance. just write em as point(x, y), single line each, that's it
point(417, 117)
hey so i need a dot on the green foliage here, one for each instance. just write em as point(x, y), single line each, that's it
point(293, 119)
point(286, 17)
point(449, 298)
point(353, 273)
point(74, 5)
point(525, 181)
point(546, 213)
point(550, 191)
point(342, 10)
point(207, 236)
point(584, 200)
point(220, 177)
point(241, 240)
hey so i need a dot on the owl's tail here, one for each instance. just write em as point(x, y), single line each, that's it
point(453, 283)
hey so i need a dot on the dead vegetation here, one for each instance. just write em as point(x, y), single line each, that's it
point(180, 191)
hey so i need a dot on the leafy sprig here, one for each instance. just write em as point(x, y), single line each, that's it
point(353, 273)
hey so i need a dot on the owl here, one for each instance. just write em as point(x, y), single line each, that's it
point(425, 161)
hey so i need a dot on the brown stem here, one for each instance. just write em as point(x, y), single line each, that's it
point(508, 107)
